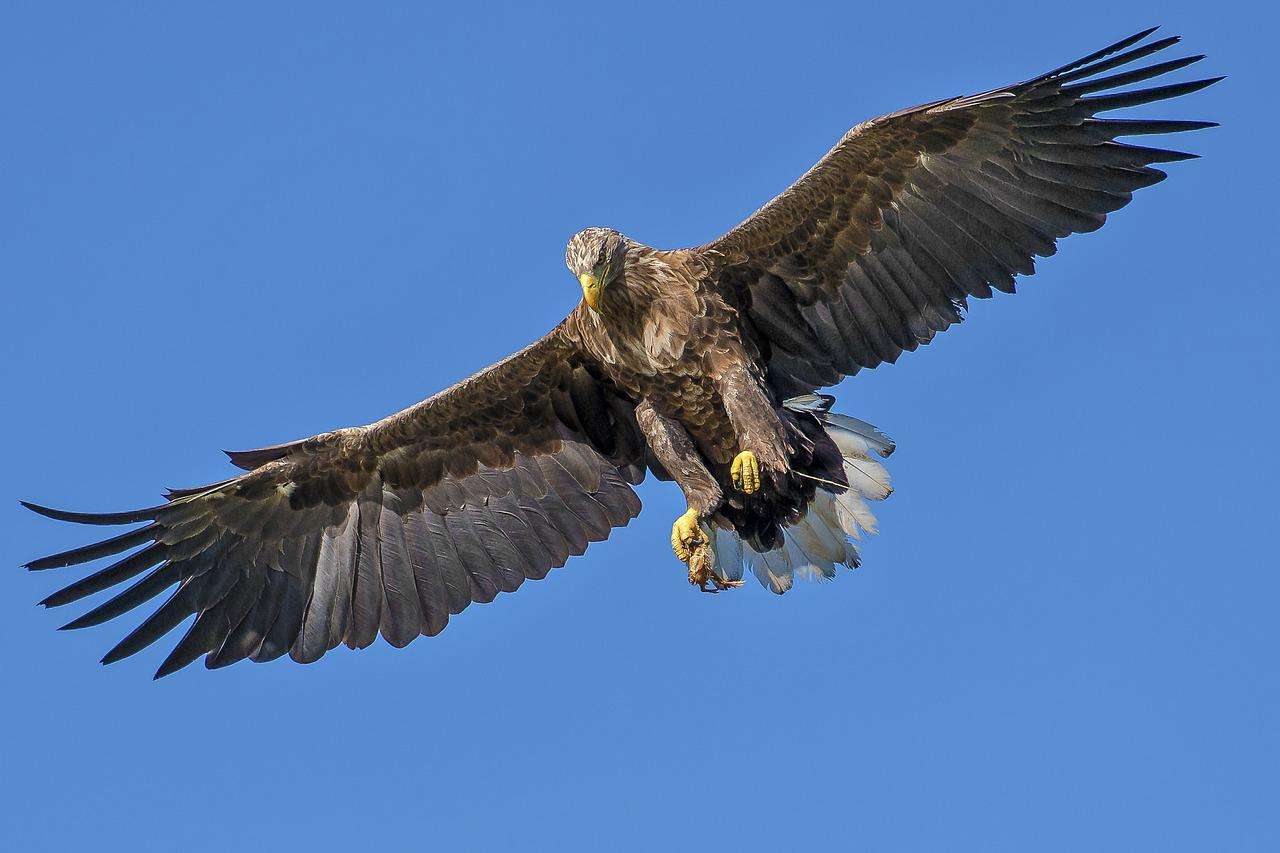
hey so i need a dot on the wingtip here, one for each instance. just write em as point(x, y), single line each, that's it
point(95, 518)
point(166, 668)
point(86, 620)
point(38, 509)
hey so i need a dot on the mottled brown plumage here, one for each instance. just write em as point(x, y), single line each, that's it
point(695, 364)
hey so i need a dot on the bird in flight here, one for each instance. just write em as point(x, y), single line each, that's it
point(701, 365)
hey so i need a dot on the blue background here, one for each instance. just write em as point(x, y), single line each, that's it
point(234, 226)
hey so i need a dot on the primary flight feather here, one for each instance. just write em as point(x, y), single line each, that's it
point(698, 365)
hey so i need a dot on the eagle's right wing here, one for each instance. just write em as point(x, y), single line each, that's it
point(388, 528)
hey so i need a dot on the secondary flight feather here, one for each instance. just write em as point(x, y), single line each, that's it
point(702, 366)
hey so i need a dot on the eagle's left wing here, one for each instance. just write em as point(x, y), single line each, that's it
point(388, 528)
point(879, 245)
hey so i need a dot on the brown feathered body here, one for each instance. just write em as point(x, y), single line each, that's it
point(668, 335)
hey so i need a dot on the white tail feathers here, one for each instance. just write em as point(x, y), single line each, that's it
point(858, 437)
point(813, 547)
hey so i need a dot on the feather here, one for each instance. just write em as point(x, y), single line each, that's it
point(483, 576)
point(507, 562)
point(1122, 59)
point(367, 589)
point(772, 568)
point(129, 517)
point(433, 599)
point(457, 582)
point(248, 636)
point(854, 515)
point(839, 427)
point(593, 413)
point(218, 615)
point(402, 619)
point(511, 520)
point(1105, 103)
point(140, 593)
point(299, 567)
point(560, 542)
point(116, 573)
point(1136, 75)
point(868, 478)
point(727, 548)
point(195, 594)
point(326, 614)
point(105, 548)
point(1099, 54)
point(801, 547)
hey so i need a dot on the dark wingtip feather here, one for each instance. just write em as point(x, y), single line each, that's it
point(179, 658)
point(117, 572)
point(1119, 100)
point(169, 667)
point(1118, 127)
point(118, 652)
point(127, 517)
point(1134, 75)
point(248, 460)
point(1106, 51)
point(174, 494)
point(93, 551)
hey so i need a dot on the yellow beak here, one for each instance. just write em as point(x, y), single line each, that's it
point(590, 290)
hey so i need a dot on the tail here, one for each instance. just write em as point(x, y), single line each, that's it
point(824, 538)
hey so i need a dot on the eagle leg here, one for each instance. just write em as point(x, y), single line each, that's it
point(758, 427)
point(690, 540)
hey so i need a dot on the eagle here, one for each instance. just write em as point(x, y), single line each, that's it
point(700, 365)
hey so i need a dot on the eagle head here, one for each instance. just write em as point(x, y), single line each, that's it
point(595, 257)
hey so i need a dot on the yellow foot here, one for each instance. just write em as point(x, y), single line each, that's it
point(746, 472)
point(694, 550)
point(687, 536)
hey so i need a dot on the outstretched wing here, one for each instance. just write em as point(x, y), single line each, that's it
point(880, 244)
point(388, 528)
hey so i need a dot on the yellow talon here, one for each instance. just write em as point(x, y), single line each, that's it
point(687, 536)
point(746, 472)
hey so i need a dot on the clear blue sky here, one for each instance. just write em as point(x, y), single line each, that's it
point(227, 228)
